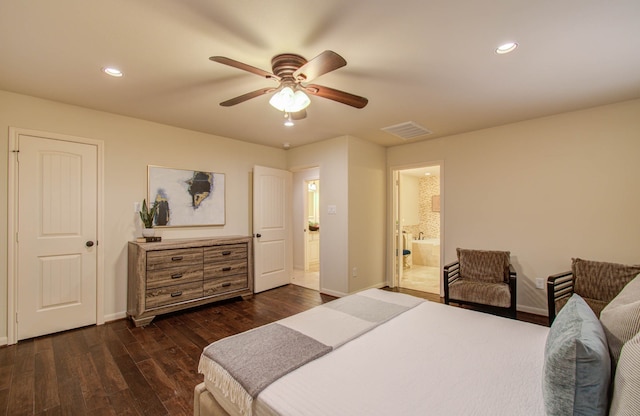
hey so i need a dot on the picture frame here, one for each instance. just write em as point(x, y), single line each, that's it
point(186, 197)
point(435, 203)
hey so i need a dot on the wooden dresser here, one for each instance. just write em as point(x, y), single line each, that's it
point(176, 274)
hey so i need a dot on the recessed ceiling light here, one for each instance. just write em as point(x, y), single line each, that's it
point(114, 72)
point(506, 48)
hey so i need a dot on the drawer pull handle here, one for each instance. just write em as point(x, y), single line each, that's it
point(226, 253)
point(176, 294)
point(176, 258)
point(226, 284)
point(226, 269)
point(176, 276)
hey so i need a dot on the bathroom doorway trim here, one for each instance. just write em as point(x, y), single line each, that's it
point(394, 225)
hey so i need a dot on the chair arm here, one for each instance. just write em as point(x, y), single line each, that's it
point(558, 286)
point(513, 289)
point(451, 273)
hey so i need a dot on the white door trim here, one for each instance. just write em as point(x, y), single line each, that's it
point(392, 216)
point(12, 224)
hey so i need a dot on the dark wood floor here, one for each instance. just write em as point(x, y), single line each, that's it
point(117, 369)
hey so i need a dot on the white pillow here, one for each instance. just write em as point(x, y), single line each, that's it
point(626, 387)
point(621, 317)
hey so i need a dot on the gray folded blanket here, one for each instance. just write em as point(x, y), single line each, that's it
point(243, 365)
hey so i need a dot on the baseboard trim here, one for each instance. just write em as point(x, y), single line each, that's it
point(115, 316)
point(532, 310)
point(3, 341)
point(332, 293)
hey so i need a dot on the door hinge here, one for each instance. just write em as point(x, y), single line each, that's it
point(16, 317)
point(17, 237)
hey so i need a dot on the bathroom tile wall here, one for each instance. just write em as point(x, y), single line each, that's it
point(429, 220)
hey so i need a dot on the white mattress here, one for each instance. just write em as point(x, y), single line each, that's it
point(432, 360)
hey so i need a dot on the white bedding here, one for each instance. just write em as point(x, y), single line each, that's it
point(431, 360)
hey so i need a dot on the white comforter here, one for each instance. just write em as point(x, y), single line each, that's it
point(431, 360)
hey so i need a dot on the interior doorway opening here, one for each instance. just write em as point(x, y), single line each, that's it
point(306, 265)
point(417, 219)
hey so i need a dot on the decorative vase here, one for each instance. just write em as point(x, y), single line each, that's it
point(148, 232)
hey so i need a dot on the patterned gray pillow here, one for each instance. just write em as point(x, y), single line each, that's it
point(621, 318)
point(577, 366)
point(626, 388)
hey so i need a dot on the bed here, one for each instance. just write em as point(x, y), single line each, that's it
point(419, 358)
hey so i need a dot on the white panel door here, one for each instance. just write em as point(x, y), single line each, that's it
point(57, 228)
point(273, 252)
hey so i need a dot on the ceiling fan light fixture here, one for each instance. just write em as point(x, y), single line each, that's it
point(288, 101)
point(300, 101)
point(288, 121)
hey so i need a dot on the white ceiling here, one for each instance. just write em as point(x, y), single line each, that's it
point(427, 61)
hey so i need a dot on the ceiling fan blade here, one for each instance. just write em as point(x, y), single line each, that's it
point(298, 115)
point(244, 97)
point(327, 61)
point(236, 64)
point(337, 95)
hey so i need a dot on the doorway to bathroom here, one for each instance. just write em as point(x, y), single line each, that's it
point(418, 238)
point(306, 217)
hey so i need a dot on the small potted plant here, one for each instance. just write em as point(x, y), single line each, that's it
point(147, 215)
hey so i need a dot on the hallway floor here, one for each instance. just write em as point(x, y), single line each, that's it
point(422, 278)
point(310, 279)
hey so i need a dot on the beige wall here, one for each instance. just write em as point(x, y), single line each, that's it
point(367, 215)
point(547, 190)
point(331, 158)
point(351, 174)
point(130, 145)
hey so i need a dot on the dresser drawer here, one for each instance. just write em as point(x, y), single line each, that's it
point(230, 268)
point(224, 253)
point(172, 294)
point(168, 276)
point(170, 258)
point(225, 284)
point(174, 276)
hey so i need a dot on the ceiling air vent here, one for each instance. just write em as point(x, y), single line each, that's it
point(408, 130)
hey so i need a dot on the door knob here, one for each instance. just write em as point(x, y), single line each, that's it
point(258, 235)
point(89, 244)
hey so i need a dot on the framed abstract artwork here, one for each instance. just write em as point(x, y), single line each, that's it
point(186, 197)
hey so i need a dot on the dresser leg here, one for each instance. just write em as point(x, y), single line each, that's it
point(142, 321)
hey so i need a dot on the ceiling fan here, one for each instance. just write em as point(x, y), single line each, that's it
point(293, 73)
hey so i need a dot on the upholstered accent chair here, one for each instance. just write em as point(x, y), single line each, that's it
point(483, 279)
point(596, 282)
